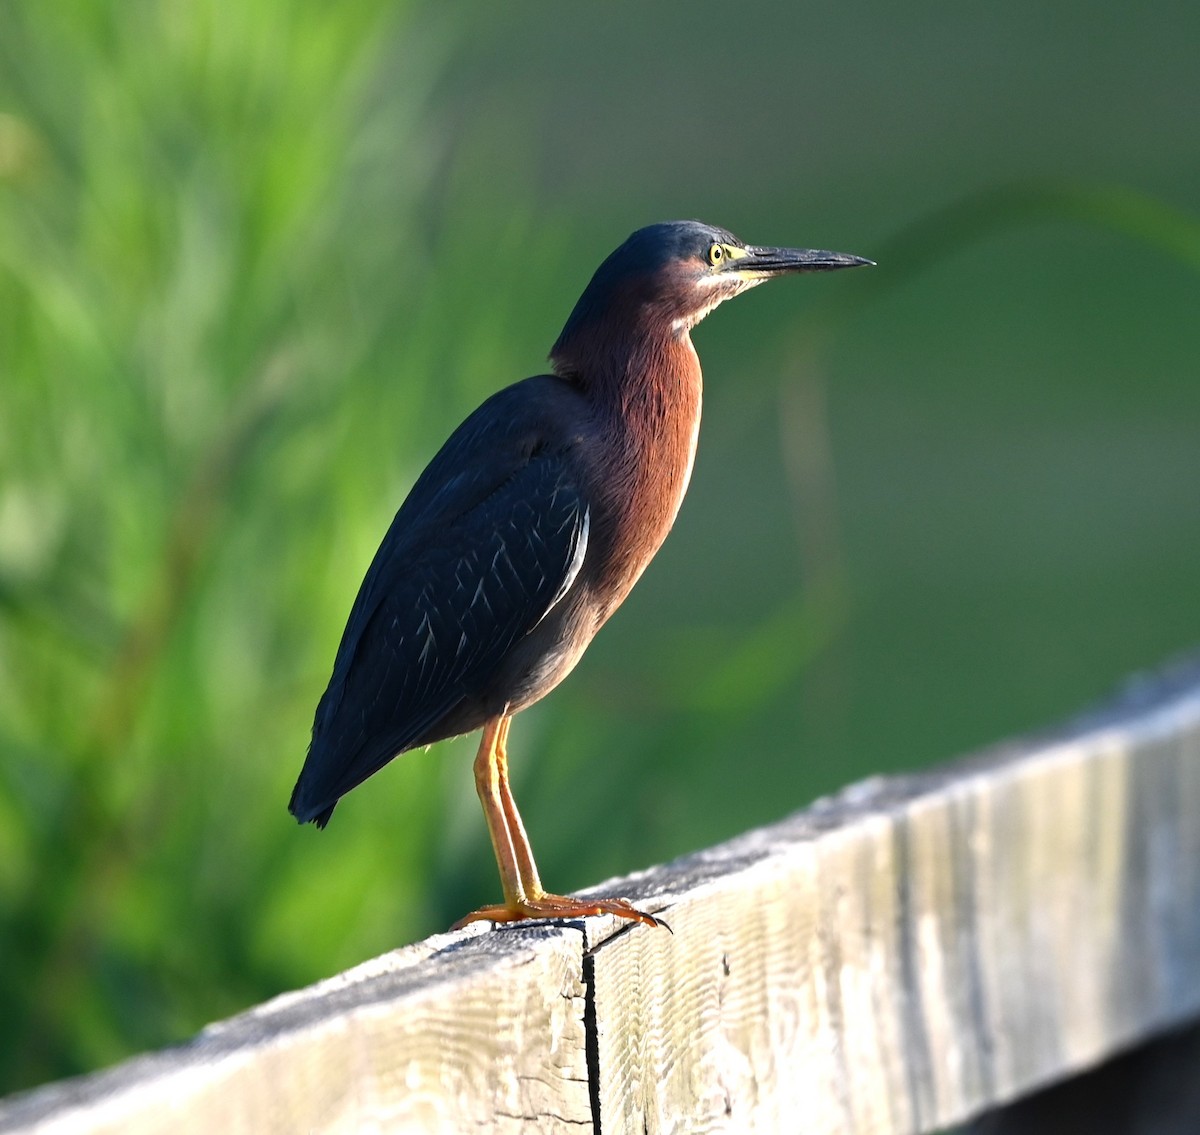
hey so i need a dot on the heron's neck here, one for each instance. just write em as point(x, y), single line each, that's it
point(646, 396)
point(646, 369)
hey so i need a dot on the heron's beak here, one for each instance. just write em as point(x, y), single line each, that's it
point(763, 263)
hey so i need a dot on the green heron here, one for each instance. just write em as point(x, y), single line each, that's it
point(526, 532)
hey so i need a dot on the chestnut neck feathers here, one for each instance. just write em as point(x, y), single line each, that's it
point(644, 385)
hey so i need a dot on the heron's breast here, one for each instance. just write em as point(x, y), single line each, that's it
point(646, 480)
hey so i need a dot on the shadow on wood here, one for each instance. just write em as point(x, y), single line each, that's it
point(1153, 1090)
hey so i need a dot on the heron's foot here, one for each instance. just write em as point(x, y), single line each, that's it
point(557, 906)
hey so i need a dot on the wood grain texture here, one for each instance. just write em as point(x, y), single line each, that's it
point(473, 1031)
point(895, 959)
point(903, 956)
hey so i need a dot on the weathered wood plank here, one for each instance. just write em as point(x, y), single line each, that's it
point(894, 959)
point(471, 1031)
point(900, 958)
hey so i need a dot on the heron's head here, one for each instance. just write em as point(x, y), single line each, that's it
point(669, 276)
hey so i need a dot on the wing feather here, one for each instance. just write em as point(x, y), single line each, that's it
point(490, 539)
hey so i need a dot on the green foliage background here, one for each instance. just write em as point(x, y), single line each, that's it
point(257, 260)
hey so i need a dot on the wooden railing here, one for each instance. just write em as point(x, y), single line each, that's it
point(899, 958)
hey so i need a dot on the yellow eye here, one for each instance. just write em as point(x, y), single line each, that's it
point(716, 254)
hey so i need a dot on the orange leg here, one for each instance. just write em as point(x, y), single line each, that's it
point(523, 893)
point(527, 870)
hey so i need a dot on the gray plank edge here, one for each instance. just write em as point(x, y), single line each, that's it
point(474, 1030)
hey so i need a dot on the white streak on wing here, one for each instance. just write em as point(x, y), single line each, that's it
point(427, 630)
point(573, 567)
